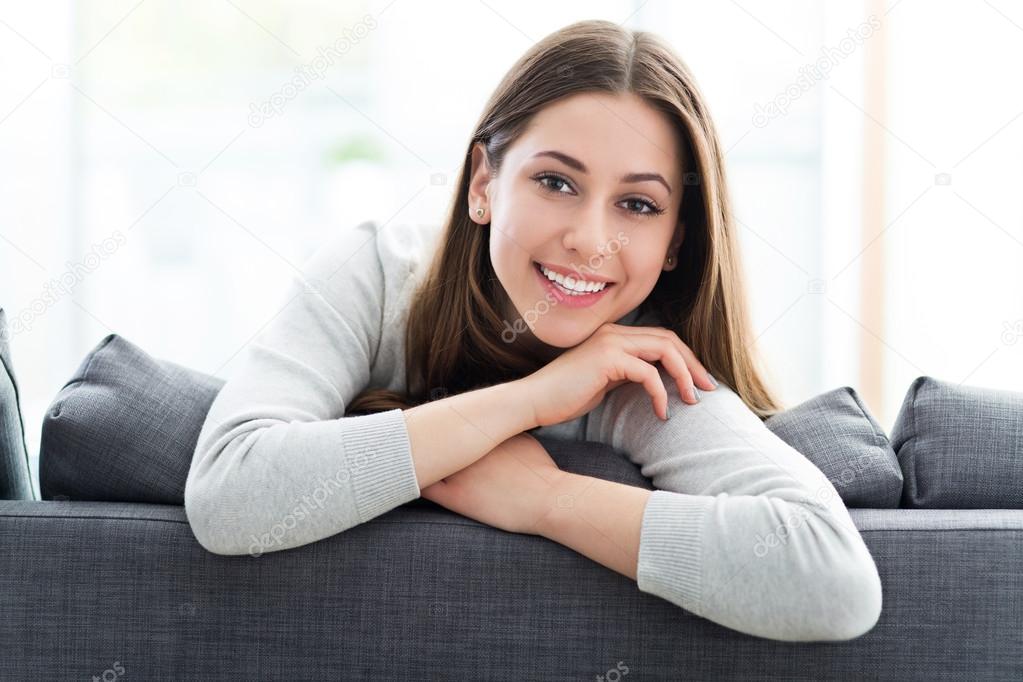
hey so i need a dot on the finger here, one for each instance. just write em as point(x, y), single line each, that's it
point(653, 347)
point(698, 372)
point(616, 384)
point(696, 369)
point(674, 362)
point(646, 374)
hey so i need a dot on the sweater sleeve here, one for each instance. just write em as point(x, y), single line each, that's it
point(741, 528)
point(276, 465)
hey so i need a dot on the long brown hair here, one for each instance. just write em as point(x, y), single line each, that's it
point(453, 334)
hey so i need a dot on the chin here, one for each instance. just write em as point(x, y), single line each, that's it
point(562, 338)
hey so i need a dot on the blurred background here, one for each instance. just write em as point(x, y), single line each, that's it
point(167, 167)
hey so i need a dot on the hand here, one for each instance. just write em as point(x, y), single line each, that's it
point(575, 382)
point(512, 487)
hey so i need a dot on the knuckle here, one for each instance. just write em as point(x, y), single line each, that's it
point(607, 347)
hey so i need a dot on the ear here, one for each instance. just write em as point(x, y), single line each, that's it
point(680, 236)
point(479, 185)
point(675, 245)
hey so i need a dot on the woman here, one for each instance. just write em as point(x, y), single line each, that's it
point(590, 238)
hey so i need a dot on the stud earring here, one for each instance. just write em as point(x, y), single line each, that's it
point(669, 260)
point(479, 212)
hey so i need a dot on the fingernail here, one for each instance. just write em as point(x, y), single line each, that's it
point(712, 379)
point(695, 394)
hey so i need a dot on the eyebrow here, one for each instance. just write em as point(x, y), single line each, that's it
point(578, 165)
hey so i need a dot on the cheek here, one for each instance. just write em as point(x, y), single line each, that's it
point(509, 259)
point(521, 229)
point(641, 265)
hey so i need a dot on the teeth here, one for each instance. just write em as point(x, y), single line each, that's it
point(570, 284)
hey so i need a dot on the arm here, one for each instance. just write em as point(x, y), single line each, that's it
point(277, 465)
point(599, 519)
point(450, 434)
point(742, 529)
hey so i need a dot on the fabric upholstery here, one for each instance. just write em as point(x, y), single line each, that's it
point(465, 601)
point(960, 447)
point(837, 432)
point(15, 477)
point(124, 427)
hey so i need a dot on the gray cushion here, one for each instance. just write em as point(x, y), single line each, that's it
point(960, 447)
point(15, 477)
point(836, 432)
point(124, 427)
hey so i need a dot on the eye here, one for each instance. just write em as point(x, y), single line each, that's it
point(654, 209)
point(551, 176)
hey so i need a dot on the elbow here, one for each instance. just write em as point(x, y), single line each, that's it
point(227, 517)
point(839, 596)
point(204, 505)
point(202, 519)
point(214, 498)
point(850, 590)
point(858, 607)
point(216, 536)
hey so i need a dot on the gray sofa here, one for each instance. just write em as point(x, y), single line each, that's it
point(104, 579)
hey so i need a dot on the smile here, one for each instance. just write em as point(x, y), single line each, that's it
point(569, 291)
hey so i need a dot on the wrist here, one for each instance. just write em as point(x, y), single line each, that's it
point(600, 519)
point(523, 398)
point(560, 504)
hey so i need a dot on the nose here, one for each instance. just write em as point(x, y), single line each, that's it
point(589, 233)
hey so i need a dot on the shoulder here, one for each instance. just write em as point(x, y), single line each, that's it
point(402, 246)
point(372, 261)
point(404, 252)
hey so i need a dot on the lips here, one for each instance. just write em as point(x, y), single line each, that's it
point(569, 272)
point(569, 300)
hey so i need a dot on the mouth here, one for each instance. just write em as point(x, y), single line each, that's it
point(570, 290)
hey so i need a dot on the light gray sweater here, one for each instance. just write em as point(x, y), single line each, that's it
point(742, 529)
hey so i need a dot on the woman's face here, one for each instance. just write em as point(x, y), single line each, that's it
point(592, 189)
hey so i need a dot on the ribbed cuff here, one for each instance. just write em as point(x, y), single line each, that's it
point(671, 548)
point(379, 458)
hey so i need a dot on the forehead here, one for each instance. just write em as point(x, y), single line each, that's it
point(612, 134)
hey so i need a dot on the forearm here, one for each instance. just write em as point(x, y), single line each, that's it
point(599, 519)
point(448, 435)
